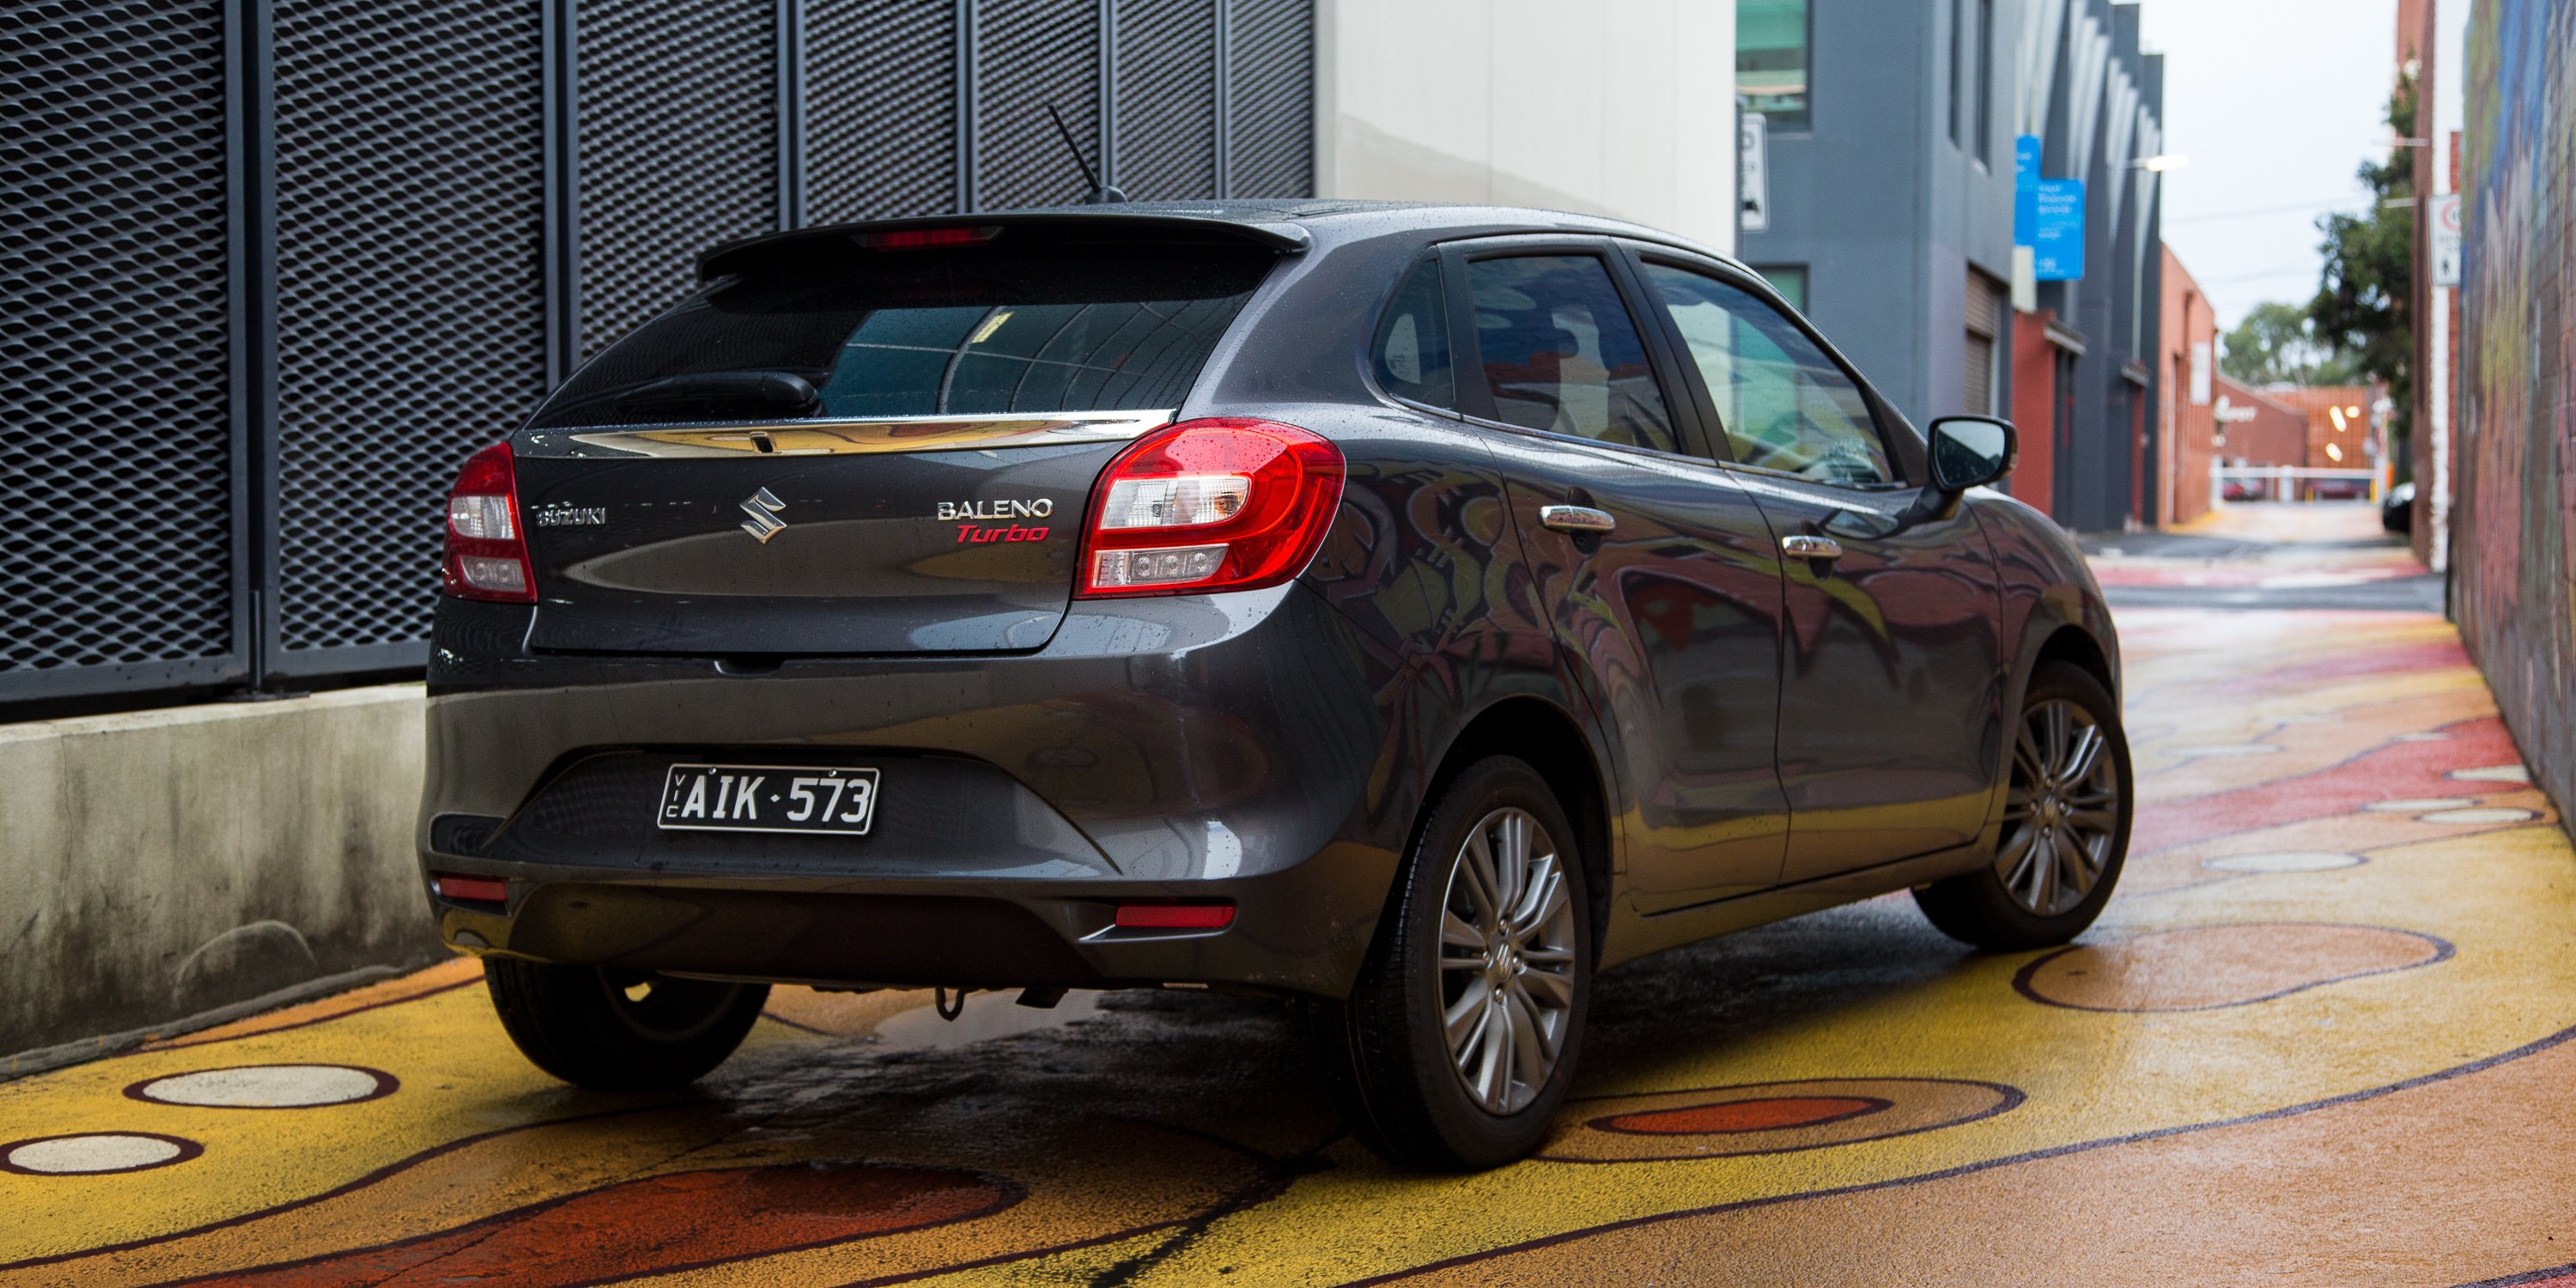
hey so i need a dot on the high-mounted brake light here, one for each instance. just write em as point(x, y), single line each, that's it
point(487, 546)
point(1218, 504)
point(916, 238)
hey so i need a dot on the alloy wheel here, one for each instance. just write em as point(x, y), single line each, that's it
point(1507, 946)
point(2062, 811)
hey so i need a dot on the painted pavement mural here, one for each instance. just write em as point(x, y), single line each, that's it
point(2321, 1036)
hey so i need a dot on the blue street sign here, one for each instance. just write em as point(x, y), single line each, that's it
point(2025, 189)
point(2057, 230)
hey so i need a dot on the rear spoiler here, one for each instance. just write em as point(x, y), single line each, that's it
point(1141, 225)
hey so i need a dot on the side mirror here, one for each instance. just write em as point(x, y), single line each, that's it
point(1970, 451)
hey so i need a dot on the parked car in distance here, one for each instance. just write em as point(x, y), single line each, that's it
point(1406, 611)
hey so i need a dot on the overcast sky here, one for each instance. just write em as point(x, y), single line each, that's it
point(2276, 102)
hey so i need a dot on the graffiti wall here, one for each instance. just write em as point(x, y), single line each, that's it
point(2517, 485)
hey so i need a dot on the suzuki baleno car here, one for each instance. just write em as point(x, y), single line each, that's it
point(1403, 610)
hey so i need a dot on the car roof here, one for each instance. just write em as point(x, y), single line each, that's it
point(1289, 225)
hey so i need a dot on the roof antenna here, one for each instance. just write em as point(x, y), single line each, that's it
point(1100, 195)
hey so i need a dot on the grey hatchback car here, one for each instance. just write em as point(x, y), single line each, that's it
point(1401, 610)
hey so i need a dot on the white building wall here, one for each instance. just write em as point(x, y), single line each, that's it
point(1623, 108)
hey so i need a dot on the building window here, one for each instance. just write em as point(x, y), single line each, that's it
point(1790, 280)
point(1958, 69)
point(1983, 360)
point(1986, 82)
point(1771, 60)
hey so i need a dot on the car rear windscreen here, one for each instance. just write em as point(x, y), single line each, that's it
point(1049, 324)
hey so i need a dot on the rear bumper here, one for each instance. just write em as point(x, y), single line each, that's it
point(1214, 748)
point(1293, 931)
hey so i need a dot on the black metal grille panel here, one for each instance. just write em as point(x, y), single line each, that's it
point(1029, 54)
point(115, 428)
point(880, 109)
point(1271, 98)
point(1167, 99)
point(679, 147)
point(411, 304)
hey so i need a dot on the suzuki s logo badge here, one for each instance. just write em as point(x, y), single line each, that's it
point(764, 522)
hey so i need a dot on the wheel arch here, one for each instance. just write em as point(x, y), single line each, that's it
point(1553, 742)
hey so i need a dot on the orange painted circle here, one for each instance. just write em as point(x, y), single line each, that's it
point(1770, 1114)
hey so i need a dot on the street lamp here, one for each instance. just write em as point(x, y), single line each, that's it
point(2161, 162)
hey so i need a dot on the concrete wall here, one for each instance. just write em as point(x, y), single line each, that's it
point(2514, 545)
point(1623, 108)
point(164, 863)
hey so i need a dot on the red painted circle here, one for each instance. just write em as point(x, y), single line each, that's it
point(1773, 1113)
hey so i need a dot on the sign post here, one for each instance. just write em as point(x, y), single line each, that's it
point(2446, 240)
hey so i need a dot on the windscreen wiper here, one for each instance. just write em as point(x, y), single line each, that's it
point(784, 392)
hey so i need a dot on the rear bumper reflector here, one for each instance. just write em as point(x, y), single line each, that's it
point(471, 889)
point(1176, 916)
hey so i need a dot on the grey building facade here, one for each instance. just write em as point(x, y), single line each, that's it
point(1892, 130)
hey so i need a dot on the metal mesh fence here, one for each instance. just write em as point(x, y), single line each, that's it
point(679, 147)
point(1167, 99)
point(880, 109)
point(436, 222)
point(116, 462)
point(1270, 75)
point(410, 287)
point(1030, 54)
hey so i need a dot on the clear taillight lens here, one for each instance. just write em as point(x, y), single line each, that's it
point(1218, 504)
point(487, 557)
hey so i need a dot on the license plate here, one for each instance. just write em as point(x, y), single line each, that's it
point(768, 798)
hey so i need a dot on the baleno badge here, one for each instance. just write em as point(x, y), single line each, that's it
point(764, 522)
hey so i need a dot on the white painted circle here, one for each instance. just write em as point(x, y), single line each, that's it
point(2285, 861)
point(2231, 749)
point(88, 1155)
point(2420, 806)
point(2481, 816)
point(267, 1086)
point(2493, 774)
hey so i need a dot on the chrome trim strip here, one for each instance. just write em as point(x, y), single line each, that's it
point(891, 434)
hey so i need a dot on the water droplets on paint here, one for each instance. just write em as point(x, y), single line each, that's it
point(2285, 861)
point(95, 1153)
point(268, 1086)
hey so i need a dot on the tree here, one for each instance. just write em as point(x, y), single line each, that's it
point(2276, 343)
point(2363, 306)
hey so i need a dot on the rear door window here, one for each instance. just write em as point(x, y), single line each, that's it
point(1040, 326)
point(1560, 352)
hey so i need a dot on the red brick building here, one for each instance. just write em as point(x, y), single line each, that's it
point(2186, 425)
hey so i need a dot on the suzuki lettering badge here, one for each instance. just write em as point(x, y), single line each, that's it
point(764, 522)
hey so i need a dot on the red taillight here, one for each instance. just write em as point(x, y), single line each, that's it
point(471, 889)
point(487, 546)
point(916, 238)
point(1176, 916)
point(1220, 504)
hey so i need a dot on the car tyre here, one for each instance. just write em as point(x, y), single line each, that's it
point(1480, 978)
point(620, 1030)
point(2065, 837)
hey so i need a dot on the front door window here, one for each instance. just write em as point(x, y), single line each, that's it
point(1785, 404)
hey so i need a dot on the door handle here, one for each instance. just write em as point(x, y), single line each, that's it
point(1806, 547)
point(1580, 519)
